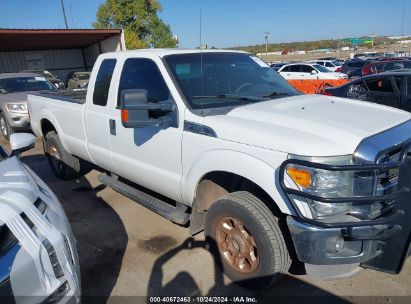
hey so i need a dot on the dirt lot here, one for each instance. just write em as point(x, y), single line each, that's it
point(126, 250)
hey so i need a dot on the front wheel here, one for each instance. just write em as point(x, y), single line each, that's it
point(247, 240)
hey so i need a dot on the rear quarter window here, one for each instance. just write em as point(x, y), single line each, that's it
point(103, 80)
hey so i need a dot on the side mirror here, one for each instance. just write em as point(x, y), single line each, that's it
point(135, 110)
point(313, 72)
point(21, 142)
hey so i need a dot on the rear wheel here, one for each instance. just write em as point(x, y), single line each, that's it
point(64, 165)
point(247, 240)
point(5, 128)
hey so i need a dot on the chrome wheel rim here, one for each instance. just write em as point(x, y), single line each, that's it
point(3, 126)
point(55, 158)
point(237, 246)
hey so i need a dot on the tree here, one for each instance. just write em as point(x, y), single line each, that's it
point(139, 20)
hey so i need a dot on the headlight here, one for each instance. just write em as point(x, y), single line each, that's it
point(329, 185)
point(17, 107)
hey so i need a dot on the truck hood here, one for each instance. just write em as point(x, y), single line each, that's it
point(311, 125)
point(18, 97)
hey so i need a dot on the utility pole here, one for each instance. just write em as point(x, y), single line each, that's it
point(64, 13)
point(266, 42)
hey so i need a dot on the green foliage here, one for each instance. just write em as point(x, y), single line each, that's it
point(142, 26)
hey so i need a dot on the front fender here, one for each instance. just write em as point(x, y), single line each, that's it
point(256, 170)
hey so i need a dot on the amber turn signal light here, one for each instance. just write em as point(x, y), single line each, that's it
point(301, 177)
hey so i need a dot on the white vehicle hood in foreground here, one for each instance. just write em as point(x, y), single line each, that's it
point(311, 125)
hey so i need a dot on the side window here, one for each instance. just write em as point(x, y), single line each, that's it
point(295, 68)
point(286, 69)
point(398, 82)
point(307, 69)
point(143, 73)
point(382, 84)
point(103, 79)
point(408, 85)
point(329, 65)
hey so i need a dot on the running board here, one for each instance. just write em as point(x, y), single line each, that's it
point(175, 214)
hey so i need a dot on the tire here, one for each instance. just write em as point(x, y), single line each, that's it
point(5, 128)
point(64, 165)
point(268, 257)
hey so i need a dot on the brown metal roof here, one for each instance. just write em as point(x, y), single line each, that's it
point(51, 39)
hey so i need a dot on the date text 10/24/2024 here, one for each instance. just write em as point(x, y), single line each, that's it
point(203, 299)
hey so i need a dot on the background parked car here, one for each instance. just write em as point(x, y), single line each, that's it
point(385, 66)
point(332, 65)
point(389, 88)
point(58, 83)
point(13, 100)
point(38, 254)
point(353, 68)
point(78, 80)
point(277, 66)
point(308, 71)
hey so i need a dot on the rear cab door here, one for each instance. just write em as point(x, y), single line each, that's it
point(97, 112)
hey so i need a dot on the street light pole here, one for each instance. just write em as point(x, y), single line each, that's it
point(266, 42)
point(64, 13)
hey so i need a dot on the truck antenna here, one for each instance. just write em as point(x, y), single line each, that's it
point(201, 53)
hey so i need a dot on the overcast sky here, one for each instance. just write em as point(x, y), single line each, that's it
point(233, 22)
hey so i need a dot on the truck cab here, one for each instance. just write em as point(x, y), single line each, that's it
point(221, 142)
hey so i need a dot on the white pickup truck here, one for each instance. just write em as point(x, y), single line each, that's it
point(219, 141)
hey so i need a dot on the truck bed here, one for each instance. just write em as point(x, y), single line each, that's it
point(74, 96)
point(64, 109)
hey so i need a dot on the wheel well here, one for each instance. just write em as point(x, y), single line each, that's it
point(46, 127)
point(218, 183)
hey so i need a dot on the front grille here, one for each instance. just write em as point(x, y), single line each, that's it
point(58, 271)
point(387, 181)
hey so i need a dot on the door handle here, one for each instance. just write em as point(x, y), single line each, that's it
point(112, 124)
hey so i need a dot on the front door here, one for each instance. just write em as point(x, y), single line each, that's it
point(150, 156)
point(383, 90)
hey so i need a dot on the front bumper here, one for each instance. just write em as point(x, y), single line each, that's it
point(335, 245)
point(382, 243)
point(18, 121)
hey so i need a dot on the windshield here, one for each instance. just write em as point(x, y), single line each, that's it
point(24, 84)
point(321, 68)
point(213, 80)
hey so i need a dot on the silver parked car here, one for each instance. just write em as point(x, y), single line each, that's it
point(38, 255)
point(78, 80)
point(58, 83)
point(14, 87)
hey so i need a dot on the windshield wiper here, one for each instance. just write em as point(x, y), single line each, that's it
point(230, 96)
point(274, 94)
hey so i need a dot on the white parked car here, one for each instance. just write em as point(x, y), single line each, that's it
point(331, 65)
point(38, 254)
point(308, 71)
